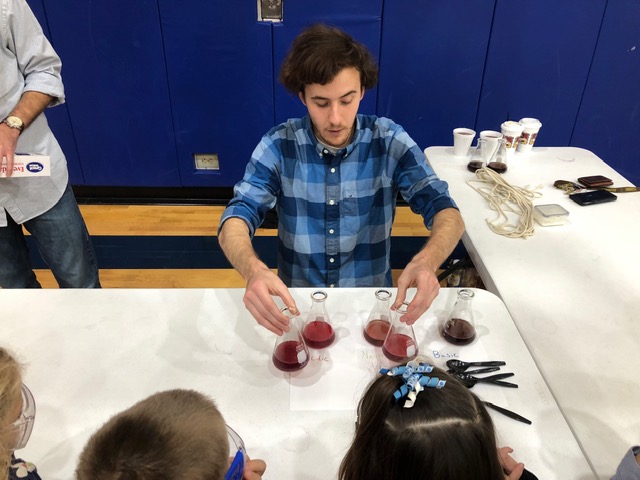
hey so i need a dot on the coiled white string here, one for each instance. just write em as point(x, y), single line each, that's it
point(504, 198)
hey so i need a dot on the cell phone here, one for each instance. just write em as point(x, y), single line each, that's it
point(591, 198)
point(594, 181)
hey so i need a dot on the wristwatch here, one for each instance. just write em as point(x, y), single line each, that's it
point(14, 122)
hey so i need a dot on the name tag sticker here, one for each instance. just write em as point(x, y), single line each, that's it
point(28, 166)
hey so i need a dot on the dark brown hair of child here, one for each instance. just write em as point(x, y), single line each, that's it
point(447, 435)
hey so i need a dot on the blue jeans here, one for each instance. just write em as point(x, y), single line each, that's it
point(63, 242)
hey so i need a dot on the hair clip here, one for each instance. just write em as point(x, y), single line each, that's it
point(414, 380)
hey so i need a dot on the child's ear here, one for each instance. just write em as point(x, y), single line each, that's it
point(301, 97)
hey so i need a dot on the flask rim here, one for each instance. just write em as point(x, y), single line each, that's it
point(319, 296)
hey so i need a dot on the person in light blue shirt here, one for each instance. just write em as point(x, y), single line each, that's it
point(629, 468)
point(45, 205)
point(333, 177)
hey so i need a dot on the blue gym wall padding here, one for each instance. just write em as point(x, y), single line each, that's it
point(537, 64)
point(58, 117)
point(219, 65)
point(117, 93)
point(431, 65)
point(151, 82)
point(609, 118)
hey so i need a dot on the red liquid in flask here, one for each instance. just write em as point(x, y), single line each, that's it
point(376, 331)
point(399, 347)
point(458, 332)
point(318, 334)
point(290, 356)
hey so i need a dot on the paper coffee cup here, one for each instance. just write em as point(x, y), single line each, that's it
point(511, 131)
point(462, 140)
point(530, 129)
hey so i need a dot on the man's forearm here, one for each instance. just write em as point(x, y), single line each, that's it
point(446, 231)
point(31, 105)
point(235, 242)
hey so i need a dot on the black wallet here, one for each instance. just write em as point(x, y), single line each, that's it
point(595, 181)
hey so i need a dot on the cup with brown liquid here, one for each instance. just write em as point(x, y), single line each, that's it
point(462, 140)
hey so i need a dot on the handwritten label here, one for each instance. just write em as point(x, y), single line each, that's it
point(438, 354)
point(319, 357)
point(369, 355)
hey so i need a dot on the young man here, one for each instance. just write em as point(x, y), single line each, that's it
point(170, 435)
point(30, 82)
point(334, 177)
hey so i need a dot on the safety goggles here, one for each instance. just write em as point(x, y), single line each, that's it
point(236, 468)
point(22, 427)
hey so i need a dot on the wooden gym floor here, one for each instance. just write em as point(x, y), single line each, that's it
point(157, 221)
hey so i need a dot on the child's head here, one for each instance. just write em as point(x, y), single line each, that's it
point(169, 435)
point(10, 406)
point(446, 434)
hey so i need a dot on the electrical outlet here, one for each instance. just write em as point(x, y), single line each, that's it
point(206, 161)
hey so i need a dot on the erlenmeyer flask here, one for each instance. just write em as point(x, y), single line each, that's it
point(400, 345)
point(460, 326)
point(379, 321)
point(290, 353)
point(318, 332)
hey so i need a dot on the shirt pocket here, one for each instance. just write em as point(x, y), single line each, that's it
point(362, 196)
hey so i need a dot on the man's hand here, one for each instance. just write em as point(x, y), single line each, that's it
point(8, 142)
point(262, 283)
point(446, 230)
point(417, 274)
point(254, 469)
point(512, 469)
point(261, 287)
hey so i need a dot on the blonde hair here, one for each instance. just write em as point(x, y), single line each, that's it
point(10, 390)
point(171, 434)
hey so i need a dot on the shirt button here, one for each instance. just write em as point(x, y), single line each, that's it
point(333, 170)
point(331, 202)
point(325, 151)
point(331, 260)
point(331, 231)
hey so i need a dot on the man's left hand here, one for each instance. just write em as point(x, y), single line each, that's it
point(417, 274)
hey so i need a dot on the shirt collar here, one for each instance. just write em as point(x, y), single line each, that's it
point(306, 122)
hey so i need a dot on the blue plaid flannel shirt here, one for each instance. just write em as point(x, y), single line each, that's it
point(335, 212)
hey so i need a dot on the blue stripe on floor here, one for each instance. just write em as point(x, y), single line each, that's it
point(177, 252)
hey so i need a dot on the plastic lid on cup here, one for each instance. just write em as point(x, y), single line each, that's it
point(532, 124)
point(511, 127)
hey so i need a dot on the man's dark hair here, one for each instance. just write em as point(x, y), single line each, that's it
point(319, 53)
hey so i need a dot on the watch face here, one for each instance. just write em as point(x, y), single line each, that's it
point(14, 122)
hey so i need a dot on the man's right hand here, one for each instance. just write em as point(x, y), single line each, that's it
point(262, 285)
point(8, 142)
